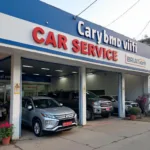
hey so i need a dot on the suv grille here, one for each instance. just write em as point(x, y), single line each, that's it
point(65, 116)
point(134, 105)
point(106, 104)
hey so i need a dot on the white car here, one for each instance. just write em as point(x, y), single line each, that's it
point(114, 100)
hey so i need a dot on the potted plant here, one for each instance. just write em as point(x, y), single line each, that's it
point(6, 132)
point(133, 112)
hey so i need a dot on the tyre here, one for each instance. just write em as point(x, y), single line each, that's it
point(89, 114)
point(105, 115)
point(37, 128)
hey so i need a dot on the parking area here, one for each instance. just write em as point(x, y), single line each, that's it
point(106, 134)
point(43, 81)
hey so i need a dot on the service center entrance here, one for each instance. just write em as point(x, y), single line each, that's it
point(67, 84)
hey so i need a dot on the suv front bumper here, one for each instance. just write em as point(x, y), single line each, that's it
point(59, 125)
point(101, 110)
point(107, 109)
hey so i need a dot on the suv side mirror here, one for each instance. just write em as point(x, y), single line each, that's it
point(29, 107)
point(113, 100)
point(61, 104)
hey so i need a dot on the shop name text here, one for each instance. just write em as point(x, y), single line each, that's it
point(104, 37)
point(79, 47)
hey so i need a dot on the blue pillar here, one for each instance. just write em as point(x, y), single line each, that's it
point(121, 95)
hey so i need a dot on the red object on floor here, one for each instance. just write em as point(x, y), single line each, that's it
point(6, 141)
point(132, 117)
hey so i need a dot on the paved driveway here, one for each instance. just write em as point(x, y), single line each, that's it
point(112, 134)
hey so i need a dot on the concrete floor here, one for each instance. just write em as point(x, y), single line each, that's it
point(102, 134)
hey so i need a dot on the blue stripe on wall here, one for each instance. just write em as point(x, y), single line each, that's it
point(69, 55)
point(38, 12)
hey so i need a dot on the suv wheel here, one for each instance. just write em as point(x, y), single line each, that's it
point(37, 128)
point(89, 114)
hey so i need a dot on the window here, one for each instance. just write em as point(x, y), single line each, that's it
point(115, 97)
point(45, 103)
point(91, 95)
point(23, 103)
point(28, 102)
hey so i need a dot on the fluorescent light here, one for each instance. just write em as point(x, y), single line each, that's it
point(45, 68)
point(48, 75)
point(62, 77)
point(36, 74)
point(59, 70)
point(90, 74)
point(1, 70)
point(74, 72)
point(26, 66)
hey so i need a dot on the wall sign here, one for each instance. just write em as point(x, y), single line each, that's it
point(78, 46)
point(136, 61)
point(17, 88)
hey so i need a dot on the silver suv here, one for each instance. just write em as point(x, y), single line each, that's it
point(46, 114)
point(114, 100)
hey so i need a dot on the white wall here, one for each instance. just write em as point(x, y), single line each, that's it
point(134, 86)
point(68, 83)
point(102, 81)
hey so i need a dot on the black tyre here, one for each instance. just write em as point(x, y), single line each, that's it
point(107, 115)
point(89, 114)
point(37, 128)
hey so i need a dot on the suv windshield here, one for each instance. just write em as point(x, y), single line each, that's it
point(45, 103)
point(91, 95)
point(115, 97)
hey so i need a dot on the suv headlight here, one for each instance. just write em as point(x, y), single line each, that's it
point(97, 103)
point(48, 116)
point(128, 107)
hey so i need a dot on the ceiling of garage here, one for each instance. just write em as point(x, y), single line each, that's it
point(35, 67)
point(38, 65)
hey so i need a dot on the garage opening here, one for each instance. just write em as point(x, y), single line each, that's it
point(5, 88)
point(105, 85)
point(50, 93)
point(61, 82)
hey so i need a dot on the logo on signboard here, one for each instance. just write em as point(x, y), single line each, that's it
point(135, 61)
